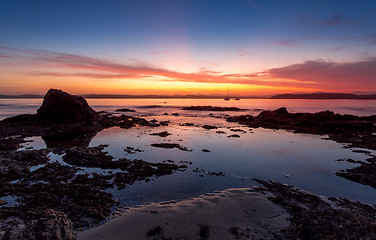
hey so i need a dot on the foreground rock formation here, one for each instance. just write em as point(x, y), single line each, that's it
point(65, 116)
point(53, 198)
point(61, 107)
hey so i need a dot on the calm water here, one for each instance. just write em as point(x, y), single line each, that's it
point(302, 160)
point(12, 107)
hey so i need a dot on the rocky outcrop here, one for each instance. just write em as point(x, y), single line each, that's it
point(62, 107)
point(64, 119)
point(358, 131)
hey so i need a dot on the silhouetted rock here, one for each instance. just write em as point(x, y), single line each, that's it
point(208, 127)
point(170, 145)
point(161, 134)
point(124, 110)
point(60, 107)
point(358, 131)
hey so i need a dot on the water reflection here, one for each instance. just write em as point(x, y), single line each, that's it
point(302, 160)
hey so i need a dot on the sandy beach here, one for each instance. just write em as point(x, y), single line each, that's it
point(231, 214)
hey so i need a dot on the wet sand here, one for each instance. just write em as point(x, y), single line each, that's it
point(231, 214)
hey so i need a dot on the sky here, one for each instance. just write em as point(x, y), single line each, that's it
point(176, 47)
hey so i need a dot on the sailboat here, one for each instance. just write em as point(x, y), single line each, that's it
point(237, 98)
point(227, 98)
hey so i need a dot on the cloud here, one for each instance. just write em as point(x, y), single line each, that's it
point(5, 56)
point(88, 75)
point(335, 49)
point(359, 74)
point(334, 20)
point(242, 52)
point(287, 43)
point(371, 39)
point(312, 74)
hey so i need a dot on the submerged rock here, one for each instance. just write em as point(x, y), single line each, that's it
point(161, 134)
point(170, 145)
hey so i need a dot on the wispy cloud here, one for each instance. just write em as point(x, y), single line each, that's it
point(287, 43)
point(307, 74)
point(337, 19)
point(152, 53)
point(371, 39)
point(353, 74)
point(88, 75)
point(242, 52)
point(334, 20)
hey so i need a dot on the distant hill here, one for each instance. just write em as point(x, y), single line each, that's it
point(324, 96)
point(22, 96)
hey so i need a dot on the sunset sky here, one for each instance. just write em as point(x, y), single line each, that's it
point(167, 47)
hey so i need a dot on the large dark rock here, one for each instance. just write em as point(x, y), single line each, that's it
point(61, 107)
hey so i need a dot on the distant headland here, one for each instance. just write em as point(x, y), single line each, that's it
point(324, 96)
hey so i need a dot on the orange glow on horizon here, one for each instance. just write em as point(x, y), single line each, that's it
point(36, 71)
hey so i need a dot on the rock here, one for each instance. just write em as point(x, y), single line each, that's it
point(164, 123)
point(208, 127)
point(314, 217)
point(124, 110)
point(354, 130)
point(170, 145)
point(161, 134)
point(40, 224)
point(187, 124)
point(61, 107)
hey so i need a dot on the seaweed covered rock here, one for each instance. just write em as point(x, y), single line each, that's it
point(60, 107)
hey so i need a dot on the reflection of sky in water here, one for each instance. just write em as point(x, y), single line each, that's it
point(10, 201)
point(302, 160)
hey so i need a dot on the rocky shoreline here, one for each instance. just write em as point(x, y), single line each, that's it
point(57, 197)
